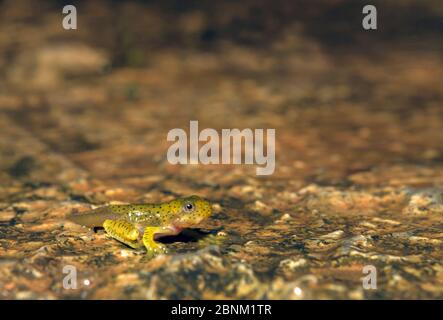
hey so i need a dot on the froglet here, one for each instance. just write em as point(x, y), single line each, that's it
point(138, 225)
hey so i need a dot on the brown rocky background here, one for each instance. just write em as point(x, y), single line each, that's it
point(358, 115)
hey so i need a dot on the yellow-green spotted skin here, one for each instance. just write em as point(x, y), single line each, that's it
point(139, 225)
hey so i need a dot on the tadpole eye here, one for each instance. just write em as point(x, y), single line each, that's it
point(189, 206)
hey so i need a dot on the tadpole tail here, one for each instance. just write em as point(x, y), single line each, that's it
point(93, 218)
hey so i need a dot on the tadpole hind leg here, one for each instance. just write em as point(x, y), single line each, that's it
point(123, 231)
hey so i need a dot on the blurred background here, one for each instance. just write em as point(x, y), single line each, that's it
point(331, 89)
point(358, 115)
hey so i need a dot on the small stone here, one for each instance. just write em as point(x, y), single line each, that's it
point(333, 235)
point(7, 215)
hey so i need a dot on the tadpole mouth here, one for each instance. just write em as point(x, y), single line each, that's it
point(175, 230)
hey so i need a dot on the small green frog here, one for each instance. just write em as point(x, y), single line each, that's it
point(138, 225)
